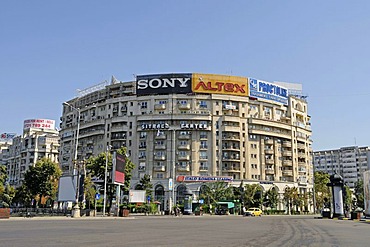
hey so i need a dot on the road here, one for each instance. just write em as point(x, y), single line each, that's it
point(195, 231)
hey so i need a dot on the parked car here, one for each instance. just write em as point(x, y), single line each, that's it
point(253, 212)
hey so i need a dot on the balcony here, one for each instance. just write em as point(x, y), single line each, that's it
point(142, 147)
point(160, 168)
point(159, 106)
point(183, 137)
point(230, 147)
point(183, 157)
point(233, 158)
point(269, 161)
point(287, 153)
point(288, 172)
point(302, 170)
point(231, 128)
point(269, 141)
point(269, 151)
point(184, 106)
point(231, 137)
point(301, 146)
point(287, 163)
point(160, 147)
point(159, 157)
point(203, 147)
point(184, 168)
point(142, 157)
point(269, 171)
point(161, 137)
point(184, 147)
point(231, 169)
point(203, 168)
point(301, 155)
point(287, 144)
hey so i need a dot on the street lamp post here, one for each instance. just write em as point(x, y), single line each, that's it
point(105, 179)
point(76, 208)
point(173, 166)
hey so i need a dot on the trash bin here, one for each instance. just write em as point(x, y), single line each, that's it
point(326, 213)
point(166, 212)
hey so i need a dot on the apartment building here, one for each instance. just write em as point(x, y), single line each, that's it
point(185, 130)
point(39, 139)
point(349, 162)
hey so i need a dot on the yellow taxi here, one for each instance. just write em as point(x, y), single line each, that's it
point(253, 212)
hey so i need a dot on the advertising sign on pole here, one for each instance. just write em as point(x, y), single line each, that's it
point(119, 164)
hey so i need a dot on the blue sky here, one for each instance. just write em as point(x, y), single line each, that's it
point(49, 49)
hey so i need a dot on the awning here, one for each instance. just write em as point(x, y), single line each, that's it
point(229, 204)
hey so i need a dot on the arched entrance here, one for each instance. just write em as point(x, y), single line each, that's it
point(180, 196)
point(159, 195)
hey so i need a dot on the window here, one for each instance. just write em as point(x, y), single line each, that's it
point(142, 155)
point(183, 143)
point(203, 135)
point(159, 154)
point(143, 135)
point(203, 144)
point(203, 104)
point(203, 155)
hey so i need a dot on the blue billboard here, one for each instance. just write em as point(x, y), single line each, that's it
point(268, 90)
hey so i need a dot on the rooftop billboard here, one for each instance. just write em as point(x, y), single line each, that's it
point(163, 84)
point(267, 90)
point(220, 84)
point(39, 124)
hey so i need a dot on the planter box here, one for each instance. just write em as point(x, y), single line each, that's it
point(124, 212)
point(4, 213)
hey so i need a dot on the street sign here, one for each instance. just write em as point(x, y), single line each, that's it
point(201, 201)
point(97, 196)
point(170, 184)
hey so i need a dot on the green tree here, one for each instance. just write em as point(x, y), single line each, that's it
point(217, 191)
point(4, 198)
point(347, 198)
point(23, 196)
point(42, 179)
point(271, 198)
point(6, 191)
point(359, 193)
point(322, 191)
point(96, 167)
point(292, 198)
point(146, 185)
point(89, 191)
point(252, 195)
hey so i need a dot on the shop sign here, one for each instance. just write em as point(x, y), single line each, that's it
point(194, 126)
point(191, 179)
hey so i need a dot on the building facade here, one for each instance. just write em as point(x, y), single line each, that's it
point(39, 139)
point(196, 128)
point(349, 162)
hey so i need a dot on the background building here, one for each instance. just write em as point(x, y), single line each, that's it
point(349, 162)
point(40, 139)
point(199, 127)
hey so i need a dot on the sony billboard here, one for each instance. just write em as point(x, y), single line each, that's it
point(163, 84)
